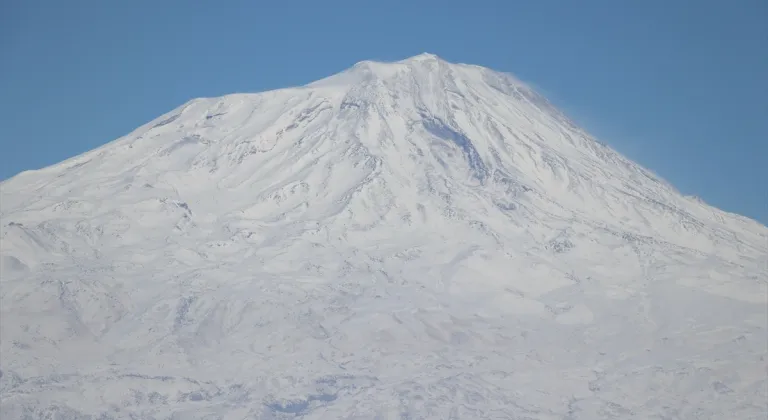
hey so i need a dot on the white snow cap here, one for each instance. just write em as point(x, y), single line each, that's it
point(423, 57)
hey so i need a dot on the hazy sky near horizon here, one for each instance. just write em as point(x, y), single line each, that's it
point(678, 86)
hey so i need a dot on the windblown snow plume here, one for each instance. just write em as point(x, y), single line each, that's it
point(407, 240)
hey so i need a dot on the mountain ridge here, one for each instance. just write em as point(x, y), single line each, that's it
point(422, 57)
point(436, 124)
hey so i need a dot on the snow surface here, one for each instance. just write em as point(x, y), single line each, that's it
point(407, 240)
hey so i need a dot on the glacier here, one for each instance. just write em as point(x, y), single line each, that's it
point(402, 240)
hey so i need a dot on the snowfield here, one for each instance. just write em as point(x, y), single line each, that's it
point(408, 240)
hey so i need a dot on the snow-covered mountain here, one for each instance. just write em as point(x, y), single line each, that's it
point(408, 240)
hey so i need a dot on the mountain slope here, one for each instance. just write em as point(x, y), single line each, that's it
point(418, 239)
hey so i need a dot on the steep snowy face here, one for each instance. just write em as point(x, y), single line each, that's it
point(417, 129)
point(378, 242)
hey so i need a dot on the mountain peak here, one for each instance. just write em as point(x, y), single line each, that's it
point(423, 57)
point(368, 70)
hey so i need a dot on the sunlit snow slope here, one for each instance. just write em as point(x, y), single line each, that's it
point(408, 240)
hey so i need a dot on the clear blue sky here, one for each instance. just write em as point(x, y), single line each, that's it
point(680, 86)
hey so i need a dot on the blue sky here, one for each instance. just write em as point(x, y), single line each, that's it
point(679, 86)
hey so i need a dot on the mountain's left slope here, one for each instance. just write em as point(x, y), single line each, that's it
point(418, 239)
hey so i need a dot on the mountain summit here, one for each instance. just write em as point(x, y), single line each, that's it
point(413, 239)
